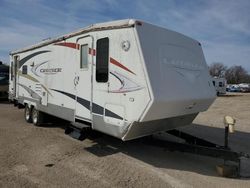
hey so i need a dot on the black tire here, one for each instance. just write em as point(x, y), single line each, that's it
point(68, 130)
point(27, 114)
point(15, 103)
point(37, 117)
point(84, 134)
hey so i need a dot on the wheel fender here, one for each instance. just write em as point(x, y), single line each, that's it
point(30, 104)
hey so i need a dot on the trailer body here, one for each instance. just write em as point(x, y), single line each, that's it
point(125, 78)
point(4, 81)
point(220, 85)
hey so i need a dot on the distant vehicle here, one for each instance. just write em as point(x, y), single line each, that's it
point(220, 85)
point(244, 87)
point(115, 78)
point(4, 81)
point(233, 88)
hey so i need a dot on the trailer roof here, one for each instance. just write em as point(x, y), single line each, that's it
point(94, 27)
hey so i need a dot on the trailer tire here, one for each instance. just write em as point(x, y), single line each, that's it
point(37, 117)
point(27, 114)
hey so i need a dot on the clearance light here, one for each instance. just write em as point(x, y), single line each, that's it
point(125, 45)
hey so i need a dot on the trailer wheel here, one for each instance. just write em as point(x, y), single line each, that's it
point(27, 114)
point(37, 117)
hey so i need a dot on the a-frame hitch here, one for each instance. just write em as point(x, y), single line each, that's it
point(203, 147)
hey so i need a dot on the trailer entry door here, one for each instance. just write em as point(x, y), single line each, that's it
point(82, 79)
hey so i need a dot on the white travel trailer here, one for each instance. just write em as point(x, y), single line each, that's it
point(220, 85)
point(124, 78)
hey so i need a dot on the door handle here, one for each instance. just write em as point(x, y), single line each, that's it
point(76, 80)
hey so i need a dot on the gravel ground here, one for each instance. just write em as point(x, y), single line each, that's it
point(45, 157)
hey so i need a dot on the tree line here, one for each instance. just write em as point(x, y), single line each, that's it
point(234, 75)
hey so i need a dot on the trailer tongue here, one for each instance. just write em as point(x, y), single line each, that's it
point(199, 146)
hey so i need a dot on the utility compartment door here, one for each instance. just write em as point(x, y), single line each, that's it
point(44, 94)
point(82, 81)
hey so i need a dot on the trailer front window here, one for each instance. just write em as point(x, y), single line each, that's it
point(102, 59)
point(84, 56)
point(221, 84)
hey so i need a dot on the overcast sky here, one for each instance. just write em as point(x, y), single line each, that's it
point(222, 26)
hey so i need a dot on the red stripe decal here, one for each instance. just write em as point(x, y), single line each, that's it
point(69, 44)
point(113, 61)
point(91, 51)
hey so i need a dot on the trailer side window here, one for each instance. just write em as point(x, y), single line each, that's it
point(102, 59)
point(84, 56)
point(214, 83)
point(221, 84)
point(24, 69)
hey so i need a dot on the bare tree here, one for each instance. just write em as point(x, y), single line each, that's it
point(217, 69)
point(236, 75)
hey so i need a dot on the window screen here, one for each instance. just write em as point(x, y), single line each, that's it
point(84, 56)
point(102, 59)
point(24, 69)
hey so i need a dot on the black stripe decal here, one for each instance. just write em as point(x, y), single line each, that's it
point(84, 102)
point(22, 61)
point(112, 114)
point(97, 109)
point(122, 83)
point(67, 94)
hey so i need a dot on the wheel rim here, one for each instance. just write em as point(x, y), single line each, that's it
point(34, 116)
point(27, 114)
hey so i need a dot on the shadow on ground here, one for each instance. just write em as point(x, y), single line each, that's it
point(162, 158)
point(231, 95)
point(4, 101)
point(104, 145)
point(52, 122)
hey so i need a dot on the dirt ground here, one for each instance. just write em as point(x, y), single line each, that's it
point(45, 157)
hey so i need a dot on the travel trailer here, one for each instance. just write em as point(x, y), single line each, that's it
point(4, 81)
point(125, 78)
point(220, 85)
